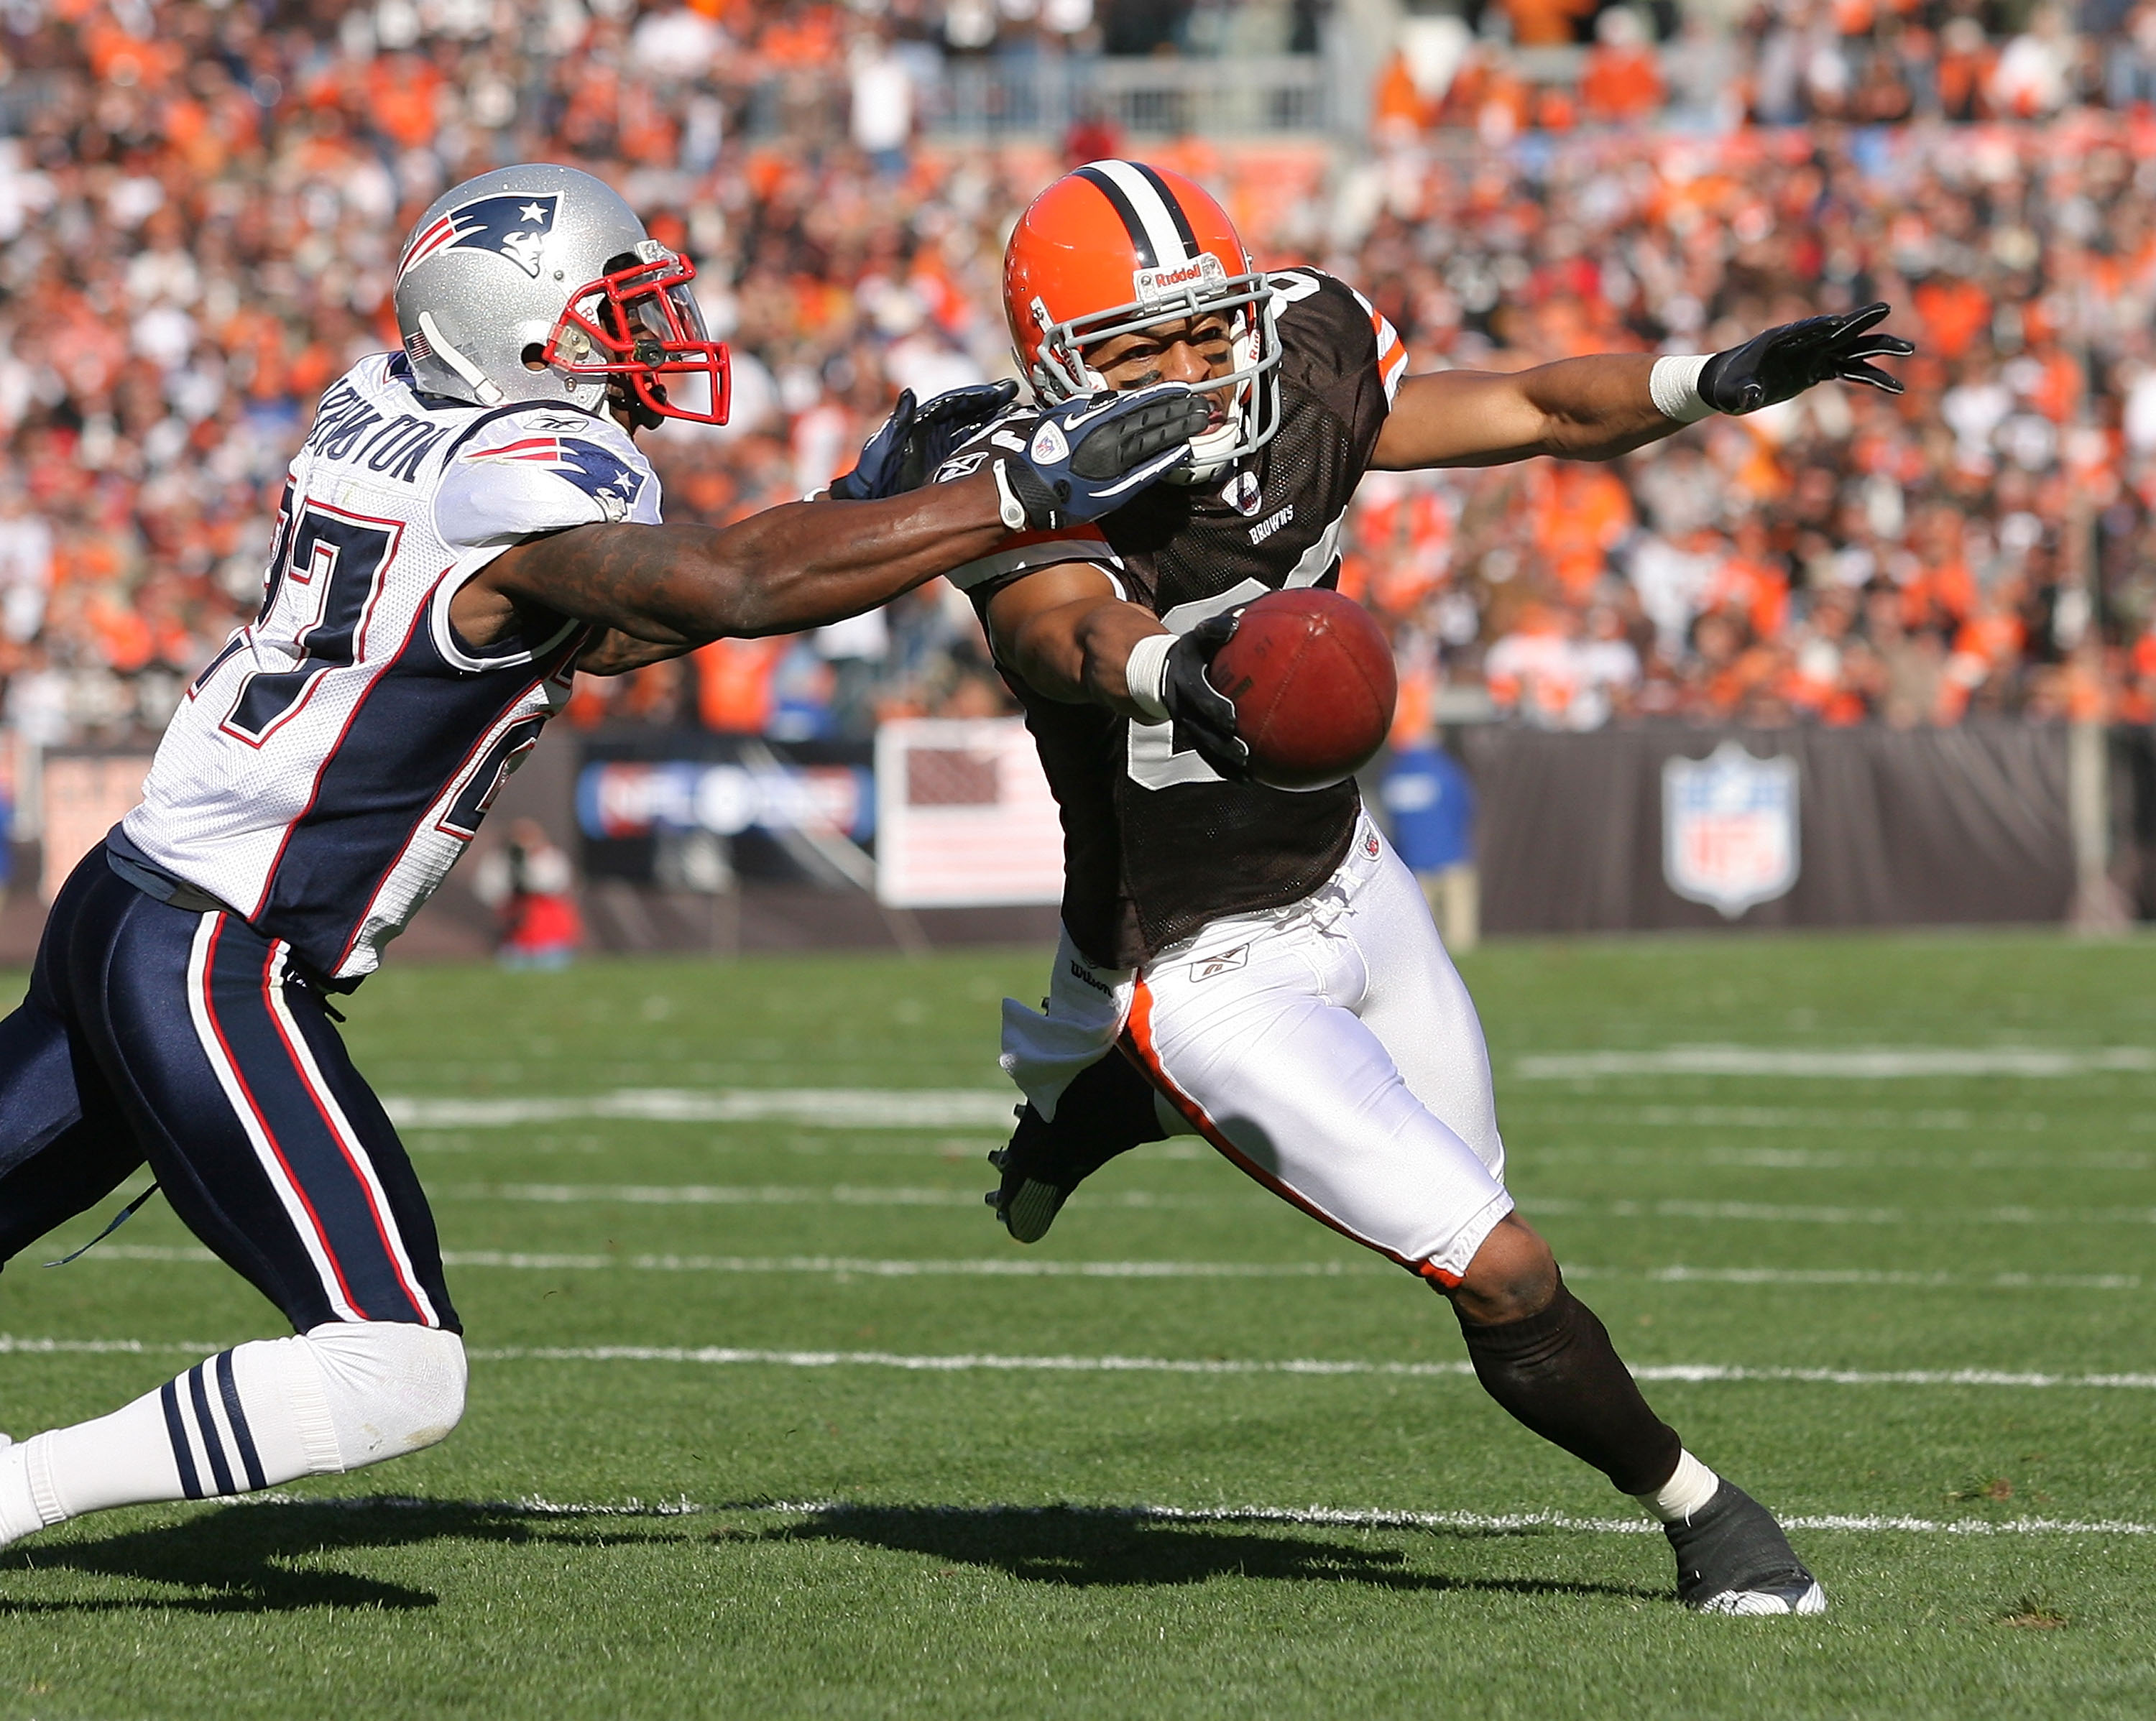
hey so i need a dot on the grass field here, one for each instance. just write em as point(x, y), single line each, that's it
point(767, 1417)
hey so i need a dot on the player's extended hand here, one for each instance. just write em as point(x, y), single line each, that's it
point(1204, 716)
point(1088, 456)
point(1783, 362)
point(916, 440)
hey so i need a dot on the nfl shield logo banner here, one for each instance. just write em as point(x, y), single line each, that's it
point(1729, 828)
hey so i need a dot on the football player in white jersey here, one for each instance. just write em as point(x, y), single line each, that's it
point(467, 522)
point(1261, 956)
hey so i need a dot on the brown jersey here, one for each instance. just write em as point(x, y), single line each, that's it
point(1156, 844)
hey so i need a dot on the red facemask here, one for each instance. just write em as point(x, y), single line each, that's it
point(641, 322)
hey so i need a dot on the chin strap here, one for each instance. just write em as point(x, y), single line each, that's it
point(489, 395)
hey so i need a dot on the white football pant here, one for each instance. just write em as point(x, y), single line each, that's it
point(1328, 1048)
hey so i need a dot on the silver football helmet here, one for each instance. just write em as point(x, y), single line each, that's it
point(538, 283)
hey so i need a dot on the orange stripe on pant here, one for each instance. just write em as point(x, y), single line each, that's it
point(1138, 1039)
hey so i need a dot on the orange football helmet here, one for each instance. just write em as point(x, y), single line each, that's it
point(1116, 247)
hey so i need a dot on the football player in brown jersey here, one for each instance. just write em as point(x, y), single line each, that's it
point(1262, 962)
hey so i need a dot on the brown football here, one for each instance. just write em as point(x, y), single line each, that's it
point(1312, 676)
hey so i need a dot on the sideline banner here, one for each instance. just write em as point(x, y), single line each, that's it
point(964, 817)
point(1665, 827)
point(82, 793)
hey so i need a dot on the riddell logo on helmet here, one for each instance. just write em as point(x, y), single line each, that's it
point(1152, 284)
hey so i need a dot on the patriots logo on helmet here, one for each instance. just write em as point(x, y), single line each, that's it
point(606, 478)
point(514, 226)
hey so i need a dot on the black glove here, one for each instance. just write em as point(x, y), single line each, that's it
point(1783, 362)
point(916, 440)
point(1088, 456)
point(1204, 717)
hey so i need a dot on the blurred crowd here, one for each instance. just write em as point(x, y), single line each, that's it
point(200, 207)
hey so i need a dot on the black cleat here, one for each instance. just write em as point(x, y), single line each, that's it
point(1733, 1557)
point(1107, 1110)
point(1026, 1203)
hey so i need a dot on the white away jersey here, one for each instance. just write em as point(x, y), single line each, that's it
point(331, 763)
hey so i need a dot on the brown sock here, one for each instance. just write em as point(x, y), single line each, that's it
point(1558, 1372)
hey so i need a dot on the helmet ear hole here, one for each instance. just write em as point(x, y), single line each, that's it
point(534, 357)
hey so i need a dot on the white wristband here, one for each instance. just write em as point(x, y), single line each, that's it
point(1674, 386)
point(1145, 675)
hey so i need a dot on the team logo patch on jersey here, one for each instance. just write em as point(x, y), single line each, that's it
point(515, 226)
point(1729, 828)
point(1049, 445)
point(1243, 494)
point(609, 480)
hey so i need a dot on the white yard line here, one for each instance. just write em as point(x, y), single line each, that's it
point(894, 1195)
point(1853, 1064)
point(538, 1506)
point(721, 1195)
point(1776, 1214)
point(835, 1265)
point(725, 1355)
point(729, 1356)
point(832, 1107)
point(1836, 1159)
point(1027, 1267)
point(1790, 1117)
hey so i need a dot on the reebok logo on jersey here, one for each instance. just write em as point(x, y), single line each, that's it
point(1221, 964)
point(1079, 973)
point(1271, 523)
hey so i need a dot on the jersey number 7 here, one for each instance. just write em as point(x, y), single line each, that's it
point(313, 608)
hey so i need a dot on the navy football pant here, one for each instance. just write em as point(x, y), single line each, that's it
point(156, 1033)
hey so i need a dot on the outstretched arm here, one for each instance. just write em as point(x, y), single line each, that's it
point(675, 587)
point(1597, 408)
point(1579, 409)
point(660, 591)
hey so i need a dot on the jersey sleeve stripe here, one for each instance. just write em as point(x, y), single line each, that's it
point(1043, 551)
point(1392, 357)
point(1391, 350)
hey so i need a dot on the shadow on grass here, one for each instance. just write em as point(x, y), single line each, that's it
point(245, 1559)
point(1083, 1547)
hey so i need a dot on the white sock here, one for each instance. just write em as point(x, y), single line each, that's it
point(335, 1399)
point(1691, 1486)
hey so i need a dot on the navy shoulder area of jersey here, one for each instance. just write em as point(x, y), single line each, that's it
point(521, 470)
